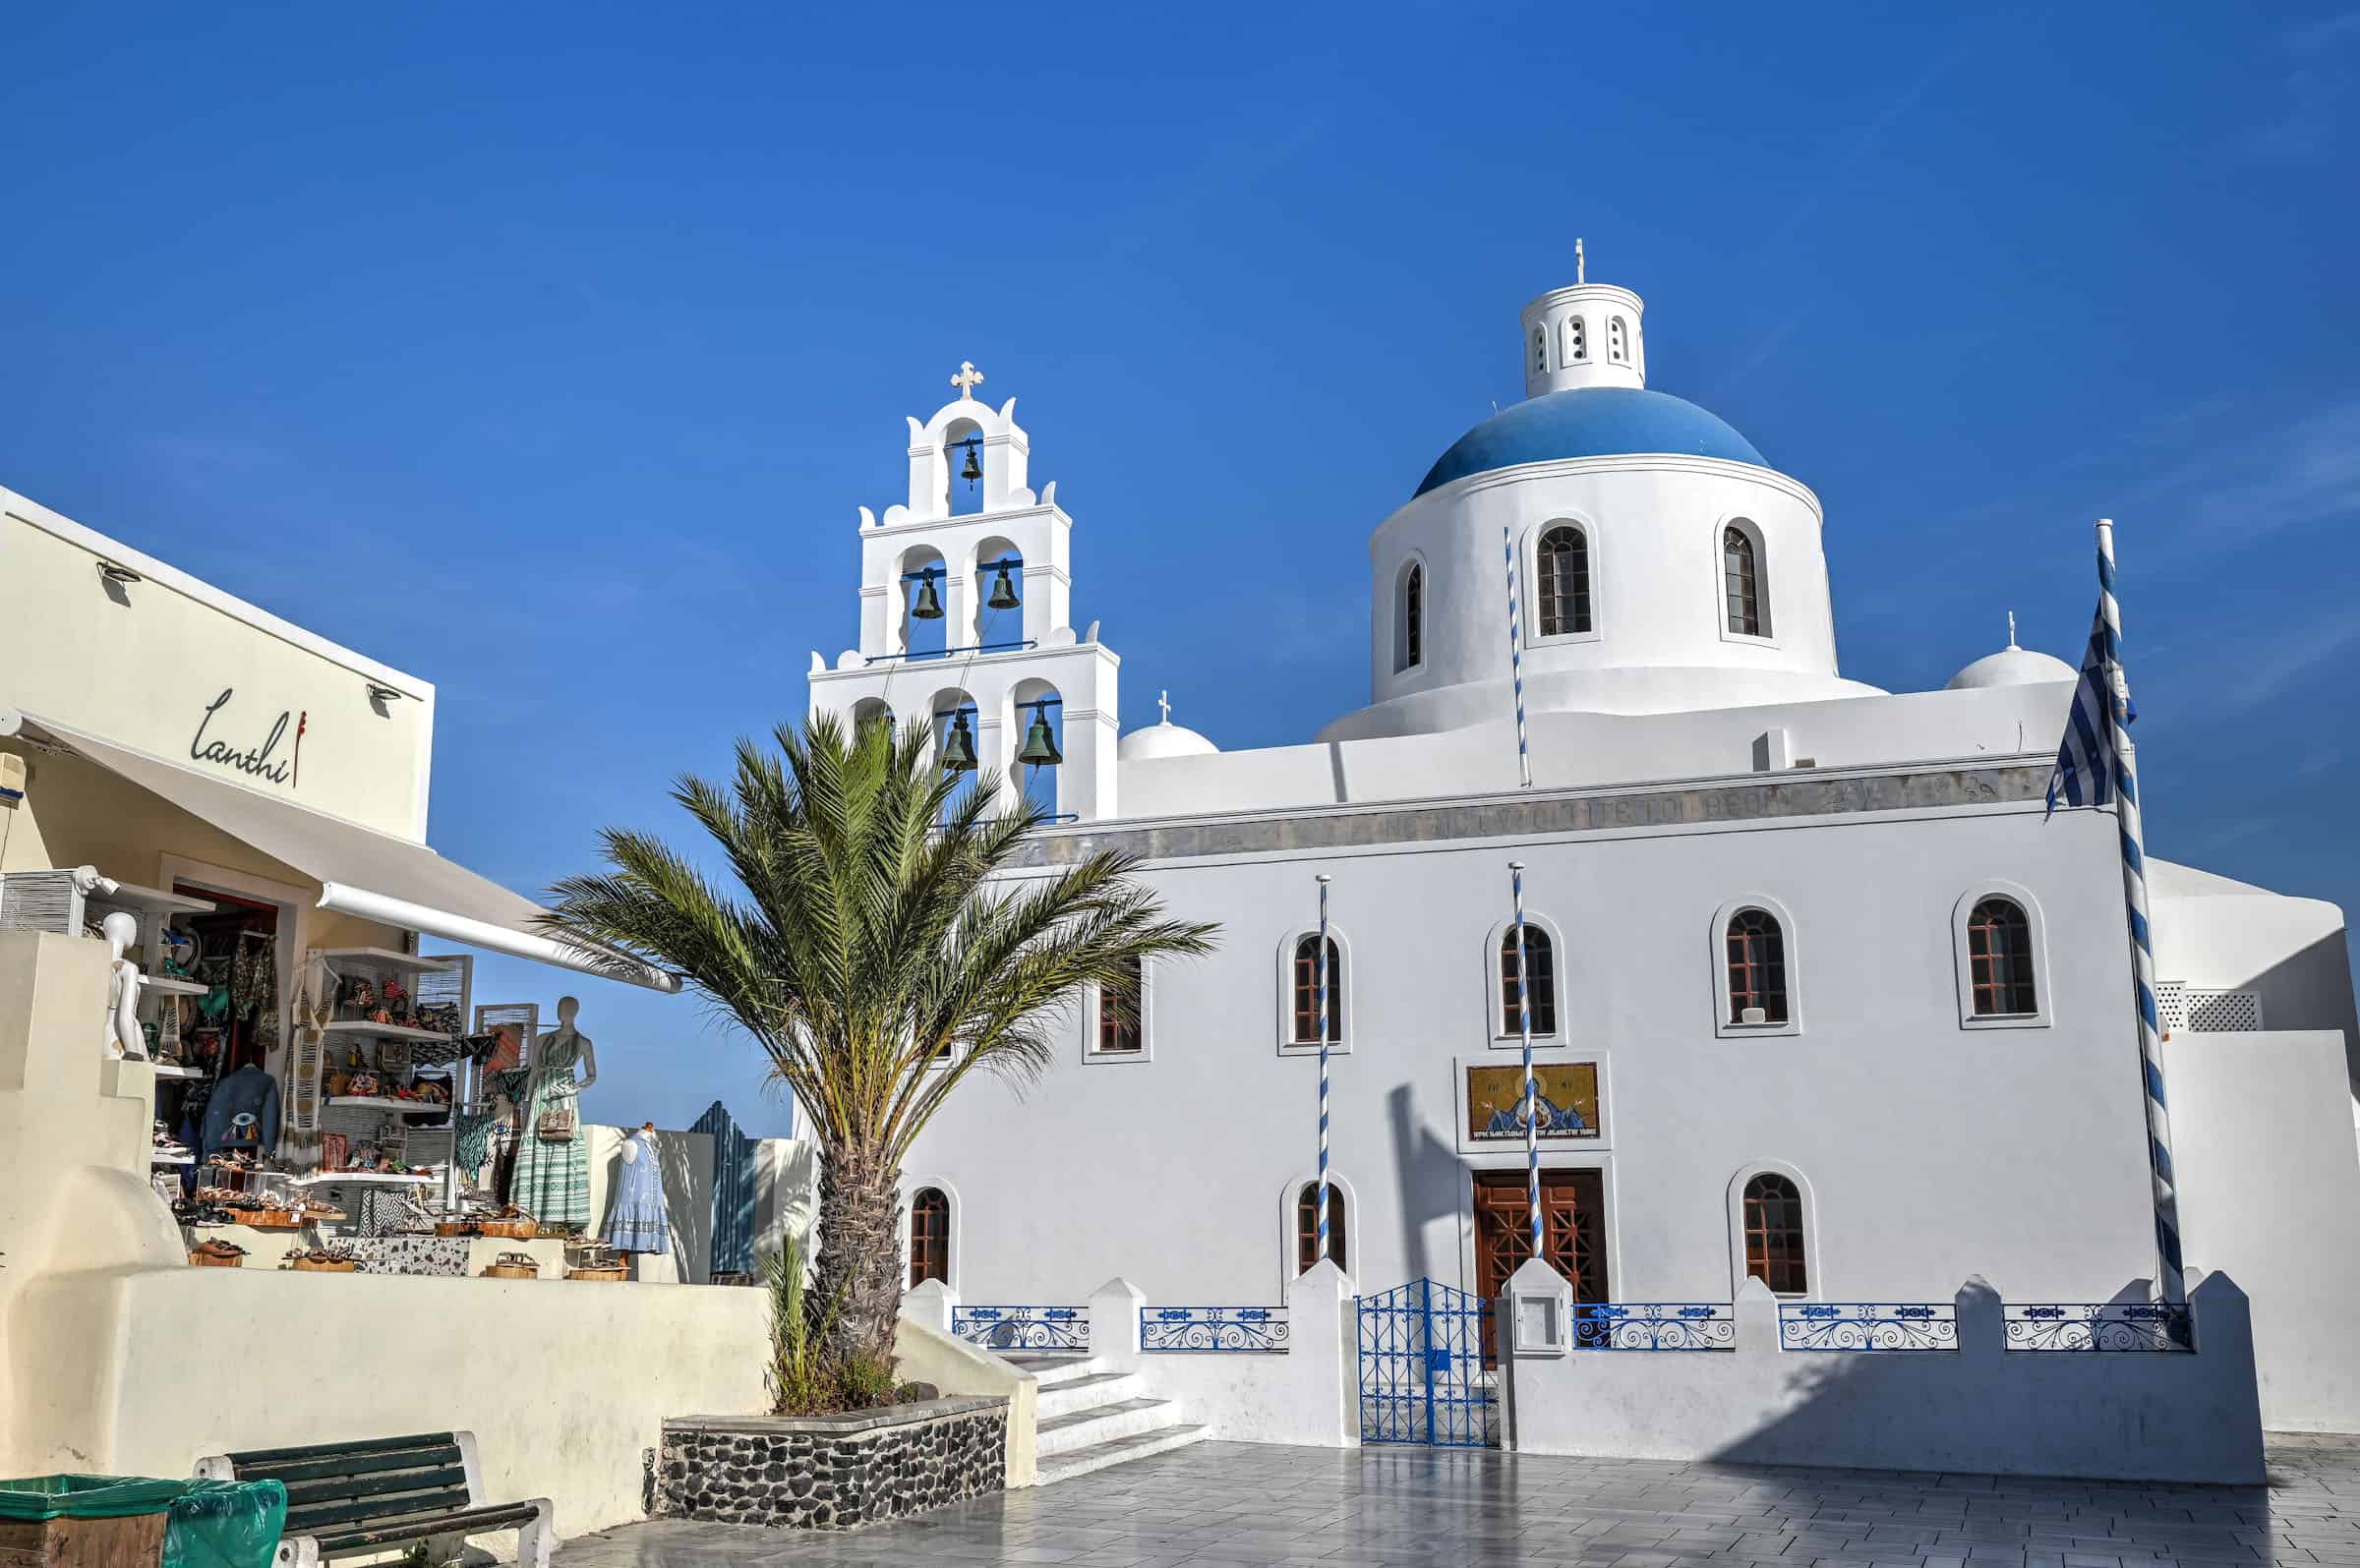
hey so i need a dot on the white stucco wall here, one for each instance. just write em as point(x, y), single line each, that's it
point(1930, 1150)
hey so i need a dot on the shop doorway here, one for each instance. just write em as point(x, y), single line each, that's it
point(1572, 1230)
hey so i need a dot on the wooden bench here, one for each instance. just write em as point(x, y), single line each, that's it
point(345, 1499)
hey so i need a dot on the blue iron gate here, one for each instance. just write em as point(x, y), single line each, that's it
point(1425, 1372)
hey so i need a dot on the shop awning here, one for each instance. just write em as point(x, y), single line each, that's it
point(361, 872)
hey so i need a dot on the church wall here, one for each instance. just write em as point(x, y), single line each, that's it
point(2270, 1194)
point(1928, 1151)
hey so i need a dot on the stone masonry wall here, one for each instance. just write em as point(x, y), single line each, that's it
point(831, 1473)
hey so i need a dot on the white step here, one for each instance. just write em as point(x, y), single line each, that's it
point(1051, 1368)
point(1071, 1395)
point(1107, 1424)
point(1161, 1440)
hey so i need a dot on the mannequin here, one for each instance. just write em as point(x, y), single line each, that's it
point(553, 1160)
point(123, 1039)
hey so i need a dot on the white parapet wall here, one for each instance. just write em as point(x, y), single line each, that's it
point(1980, 1407)
point(925, 1350)
point(1302, 1393)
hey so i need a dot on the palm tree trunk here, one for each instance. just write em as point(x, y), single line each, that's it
point(860, 1255)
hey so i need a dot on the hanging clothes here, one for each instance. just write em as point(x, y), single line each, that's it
point(637, 1220)
point(552, 1179)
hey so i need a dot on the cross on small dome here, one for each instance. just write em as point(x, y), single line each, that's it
point(967, 378)
point(1163, 700)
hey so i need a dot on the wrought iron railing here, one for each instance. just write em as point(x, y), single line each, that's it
point(2128, 1326)
point(1022, 1328)
point(1868, 1325)
point(1213, 1328)
point(1655, 1326)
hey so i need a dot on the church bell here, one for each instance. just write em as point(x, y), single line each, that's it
point(1040, 746)
point(930, 603)
point(959, 746)
point(1003, 593)
point(974, 470)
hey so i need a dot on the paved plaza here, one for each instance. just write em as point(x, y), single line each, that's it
point(1243, 1505)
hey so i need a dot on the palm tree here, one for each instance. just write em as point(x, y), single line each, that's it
point(865, 938)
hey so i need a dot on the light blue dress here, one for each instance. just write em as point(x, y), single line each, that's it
point(635, 1218)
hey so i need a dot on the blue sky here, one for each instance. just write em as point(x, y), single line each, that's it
point(545, 351)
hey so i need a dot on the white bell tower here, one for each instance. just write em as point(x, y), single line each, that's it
point(1584, 335)
point(985, 561)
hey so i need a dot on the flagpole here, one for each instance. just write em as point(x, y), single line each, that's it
point(1532, 1093)
point(1321, 1253)
point(1516, 657)
point(2172, 1279)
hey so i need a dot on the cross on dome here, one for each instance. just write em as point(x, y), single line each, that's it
point(967, 378)
point(1163, 700)
point(1581, 270)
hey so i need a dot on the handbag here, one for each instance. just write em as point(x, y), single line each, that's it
point(557, 1126)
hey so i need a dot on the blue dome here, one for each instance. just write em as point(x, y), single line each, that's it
point(1590, 422)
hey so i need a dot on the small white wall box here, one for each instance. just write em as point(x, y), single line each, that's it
point(1537, 1319)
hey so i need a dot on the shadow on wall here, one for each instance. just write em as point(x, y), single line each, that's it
point(2312, 989)
point(1429, 1172)
point(691, 1220)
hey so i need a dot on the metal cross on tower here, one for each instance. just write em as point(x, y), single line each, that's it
point(1163, 700)
point(967, 380)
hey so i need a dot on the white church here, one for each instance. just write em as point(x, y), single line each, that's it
point(1821, 994)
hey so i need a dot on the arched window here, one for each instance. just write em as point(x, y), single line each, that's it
point(1577, 339)
point(1564, 586)
point(929, 1236)
point(1540, 351)
point(1741, 581)
point(1307, 991)
point(1773, 1214)
point(1119, 1035)
point(1412, 629)
point(1618, 342)
point(1307, 1228)
point(1999, 958)
point(1758, 969)
point(1540, 971)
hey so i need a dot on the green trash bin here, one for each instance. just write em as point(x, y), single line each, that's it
point(94, 1521)
point(226, 1524)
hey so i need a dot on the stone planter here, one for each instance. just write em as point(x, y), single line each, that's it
point(830, 1471)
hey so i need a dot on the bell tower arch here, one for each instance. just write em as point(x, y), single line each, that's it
point(973, 571)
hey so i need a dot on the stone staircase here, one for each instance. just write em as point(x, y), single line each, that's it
point(1089, 1418)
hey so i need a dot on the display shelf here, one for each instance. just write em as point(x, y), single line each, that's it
point(384, 1032)
point(131, 896)
point(172, 1159)
point(172, 1069)
point(387, 1102)
point(364, 1179)
point(172, 985)
point(384, 959)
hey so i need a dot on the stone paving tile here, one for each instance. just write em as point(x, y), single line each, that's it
point(1225, 1505)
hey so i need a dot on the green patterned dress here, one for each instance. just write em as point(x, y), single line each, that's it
point(551, 1183)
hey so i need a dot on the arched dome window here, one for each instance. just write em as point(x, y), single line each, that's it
point(1577, 339)
point(1618, 341)
point(1540, 351)
point(1999, 958)
point(1565, 581)
point(1409, 628)
point(1741, 581)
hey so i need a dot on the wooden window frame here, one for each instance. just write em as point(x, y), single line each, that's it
point(926, 1240)
point(1306, 1225)
point(2036, 955)
point(1726, 997)
point(1774, 1229)
point(1541, 970)
point(1551, 596)
point(1094, 1042)
point(1339, 994)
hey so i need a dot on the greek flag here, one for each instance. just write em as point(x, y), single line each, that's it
point(2085, 775)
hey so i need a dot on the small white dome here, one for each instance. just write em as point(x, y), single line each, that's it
point(2010, 666)
point(1166, 740)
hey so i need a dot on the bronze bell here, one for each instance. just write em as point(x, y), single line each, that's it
point(959, 746)
point(974, 469)
point(1003, 593)
point(1040, 746)
point(930, 603)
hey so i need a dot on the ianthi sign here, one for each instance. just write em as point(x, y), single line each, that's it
point(255, 761)
point(1567, 1108)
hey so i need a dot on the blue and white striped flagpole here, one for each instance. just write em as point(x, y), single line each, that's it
point(1532, 1091)
point(2173, 1281)
point(1322, 961)
point(1516, 657)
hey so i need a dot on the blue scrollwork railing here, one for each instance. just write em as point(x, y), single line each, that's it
point(2123, 1326)
point(1213, 1328)
point(1655, 1326)
point(1868, 1325)
point(1022, 1328)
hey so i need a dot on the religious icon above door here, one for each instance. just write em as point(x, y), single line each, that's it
point(1566, 1104)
